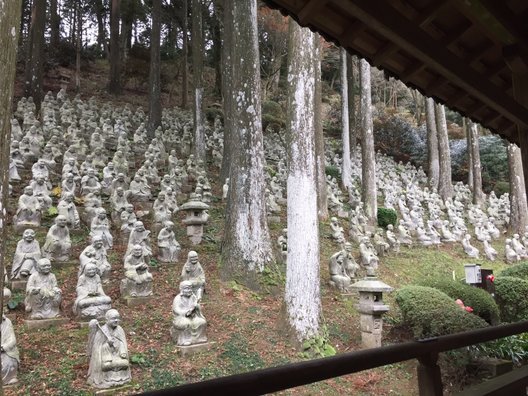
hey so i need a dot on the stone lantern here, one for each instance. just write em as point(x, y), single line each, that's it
point(371, 308)
point(196, 217)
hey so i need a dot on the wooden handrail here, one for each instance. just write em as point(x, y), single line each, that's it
point(278, 378)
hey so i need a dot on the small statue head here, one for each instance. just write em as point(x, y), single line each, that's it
point(61, 221)
point(138, 226)
point(44, 266)
point(192, 257)
point(186, 288)
point(28, 191)
point(28, 235)
point(169, 225)
point(112, 318)
point(137, 251)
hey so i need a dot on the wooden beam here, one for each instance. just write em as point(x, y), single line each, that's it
point(387, 50)
point(491, 118)
point(351, 32)
point(411, 71)
point(457, 97)
point(310, 8)
point(508, 19)
point(455, 34)
point(433, 85)
point(429, 13)
point(396, 27)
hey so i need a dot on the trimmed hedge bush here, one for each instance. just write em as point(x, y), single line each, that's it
point(482, 303)
point(387, 216)
point(430, 312)
point(517, 271)
point(333, 171)
point(510, 294)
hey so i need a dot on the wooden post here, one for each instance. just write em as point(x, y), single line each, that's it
point(429, 376)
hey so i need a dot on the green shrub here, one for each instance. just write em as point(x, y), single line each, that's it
point(333, 171)
point(430, 312)
point(517, 271)
point(514, 348)
point(510, 294)
point(501, 187)
point(387, 216)
point(482, 303)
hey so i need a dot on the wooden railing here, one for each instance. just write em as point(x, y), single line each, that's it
point(302, 373)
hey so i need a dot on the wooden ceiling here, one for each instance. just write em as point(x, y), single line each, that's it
point(459, 52)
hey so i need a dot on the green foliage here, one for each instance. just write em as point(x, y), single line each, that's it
point(501, 187)
point(272, 116)
point(213, 112)
point(15, 300)
point(482, 303)
point(514, 348)
point(333, 171)
point(517, 271)
point(153, 263)
point(239, 357)
point(318, 346)
point(52, 211)
point(510, 294)
point(273, 275)
point(139, 359)
point(161, 379)
point(387, 216)
point(430, 312)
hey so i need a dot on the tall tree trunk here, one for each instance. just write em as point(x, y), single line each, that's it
point(101, 29)
point(217, 50)
point(114, 85)
point(34, 62)
point(227, 36)
point(322, 195)
point(78, 47)
point(518, 205)
point(369, 193)
point(445, 187)
point(433, 164)
point(197, 59)
point(185, 55)
point(54, 25)
point(246, 246)
point(478, 194)
point(154, 119)
point(352, 117)
point(9, 29)
point(346, 164)
point(302, 296)
point(467, 132)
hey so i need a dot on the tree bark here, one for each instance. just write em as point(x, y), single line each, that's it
point(54, 25)
point(478, 194)
point(35, 54)
point(114, 85)
point(154, 120)
point(101, 30)
point(247, 246)
point(197, 60)
point(346, 164)
point(518, 205)
point(78, 47)
point(302, 296)
point(352, 116)
point(322, 196)
point(467, 132)
point(433, 164)
point(369, 193)
point(9, 29)
point(185, 55)
point(227, 46)
point(445, 187)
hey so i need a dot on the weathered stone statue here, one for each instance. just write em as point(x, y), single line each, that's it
point(138, 281)
point(96, 252)
point(470, 250)
point(43, 296)
point(27, 254)
point(58, 243)
point(29, 211)
point(368, 254)
point(140, 236)
point(9, 353)
point(193, 272)
point(168, 246)
point(91, 301)
point(188, 325)
point(108, 353)
point(342, 268)
point(101, 228)
point(67, 208)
